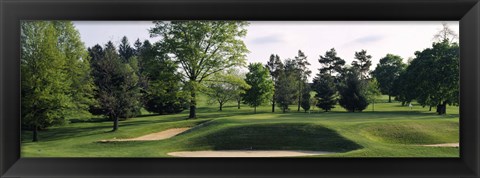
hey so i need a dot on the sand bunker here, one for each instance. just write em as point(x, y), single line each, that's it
point(445, 145)
point(248, 153)
point(154, 136)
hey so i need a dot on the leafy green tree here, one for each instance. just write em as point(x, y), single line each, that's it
point(403, 88)
point(387, 72)
point(275, 66)
point(69, 65)
point(159, 80)
point(362, 63)
point(242, 89)
point(434, 75)
point(261, 86)
point(116, 83)
point(372, 92)
point(225, 86)
point(352, 95)
point(202, 48)
point(78, 67)
point(303, 74)
point(45, 82)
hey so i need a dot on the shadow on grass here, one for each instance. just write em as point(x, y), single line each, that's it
point(284, 136)
point(367, 113)
point(64, 133)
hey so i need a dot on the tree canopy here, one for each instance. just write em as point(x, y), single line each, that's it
point(387, 72)
point(202, 48)
point(261, 86)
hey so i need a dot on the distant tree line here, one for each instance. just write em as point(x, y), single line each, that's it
point(431, 79)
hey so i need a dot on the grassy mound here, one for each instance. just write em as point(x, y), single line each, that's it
point(279, 136)
point(418, 132)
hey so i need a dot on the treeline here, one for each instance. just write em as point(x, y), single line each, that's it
point(287, 83)
point(62, 79)
point(431, 79)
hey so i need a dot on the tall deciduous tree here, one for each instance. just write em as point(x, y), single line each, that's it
point(435, 74)
point(225, 86)
point(261, 86)
point(387, 72)
point(446, 34)
point(372, 92)
point(78, 67)
point(275, 66)
point(162, 87)
point(202, 48)
point(45, 81)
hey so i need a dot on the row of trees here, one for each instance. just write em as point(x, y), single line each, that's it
point(431, 79)
point(60, 78)
point(55, 74)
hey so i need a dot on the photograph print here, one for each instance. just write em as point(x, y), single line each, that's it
point(265, 89)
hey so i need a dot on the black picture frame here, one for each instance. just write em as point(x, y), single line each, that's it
point(465, 11)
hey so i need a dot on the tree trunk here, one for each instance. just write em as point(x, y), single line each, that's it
point(221, 106)
point(430, 108)
point(255, 110)
point(389, 98)
point(273, 105)
point(299, 95)
point(442, 108)
point(238, 104)
point(35, 134)
point(115, 124)
point(193, 107)
point(298, 110)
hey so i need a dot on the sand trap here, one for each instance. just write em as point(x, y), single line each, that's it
point(154, 136)
point(445, 145)
point(250, 153)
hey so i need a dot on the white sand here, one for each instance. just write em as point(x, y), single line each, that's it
point(444, 145)
point(249, 153)
point(154, 136)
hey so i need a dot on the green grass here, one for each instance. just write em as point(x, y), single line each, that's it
point(391, 131)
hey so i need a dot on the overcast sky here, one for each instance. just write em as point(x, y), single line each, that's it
point(286, 38)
